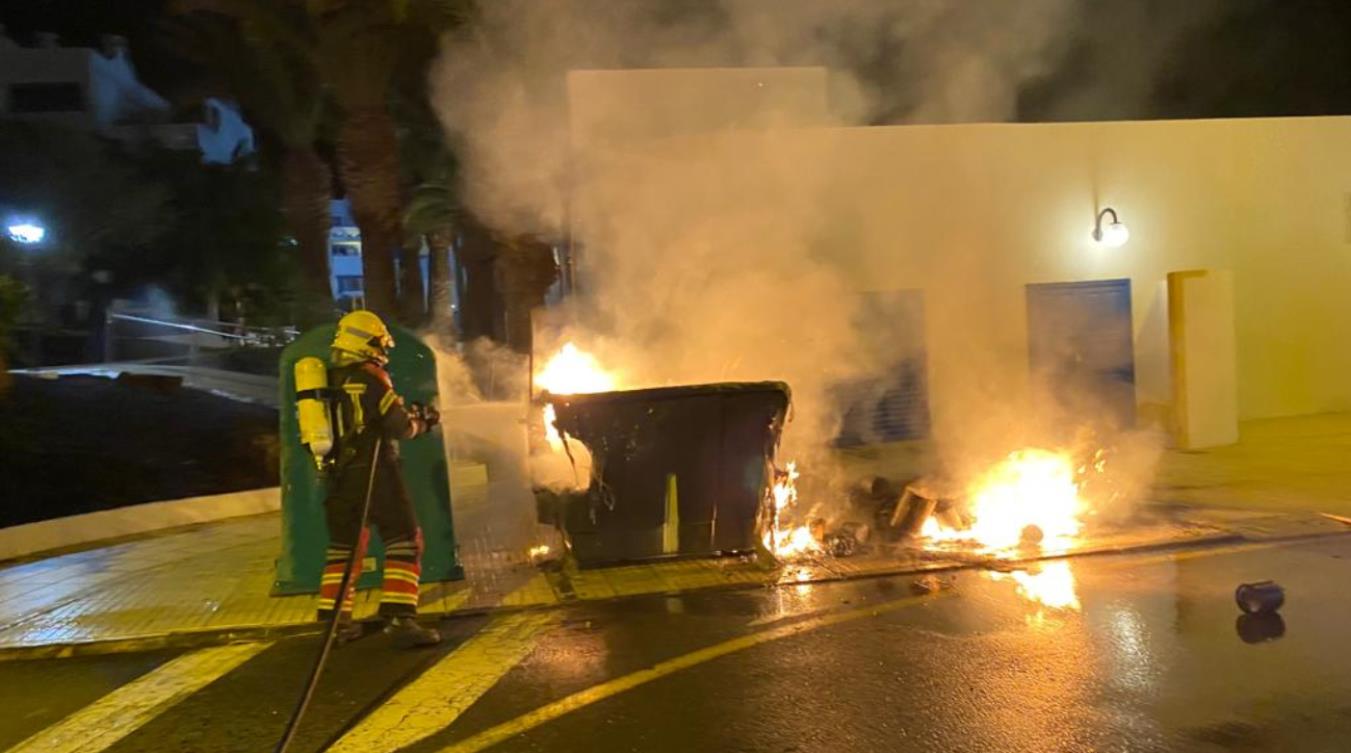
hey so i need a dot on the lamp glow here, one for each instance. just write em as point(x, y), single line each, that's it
point(1112, 235)
point(1115, 235)
point(26, 233)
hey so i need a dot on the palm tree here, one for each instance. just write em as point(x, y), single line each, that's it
point(525, 270)
point(356, 48)
point(263, 54)
point(433, 215)
point(365, 46)
point(433, 208)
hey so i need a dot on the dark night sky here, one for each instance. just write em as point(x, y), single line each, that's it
point(1257, 57)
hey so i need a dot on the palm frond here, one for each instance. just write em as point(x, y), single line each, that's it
point(433, 206)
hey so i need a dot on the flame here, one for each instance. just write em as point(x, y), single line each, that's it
point(551, 432)
point(572, 371)
point(785, 489)
point(1031, 488)
point(783, 540)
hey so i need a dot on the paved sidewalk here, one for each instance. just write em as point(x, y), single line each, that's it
point(1281, 464)
point(217, 577)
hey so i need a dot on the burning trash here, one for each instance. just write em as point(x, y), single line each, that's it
point(781, 539)
point(1029, 500)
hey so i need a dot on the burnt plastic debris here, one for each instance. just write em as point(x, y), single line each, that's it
point(927, 584)
point(1261, 597)
point(1259, 627)
point(685, 465)
point(903, 508)
point(841, 544)
point(1031, 536)
point(911, 512)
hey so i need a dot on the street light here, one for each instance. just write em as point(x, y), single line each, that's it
point(1113, 235)
point(26, 233)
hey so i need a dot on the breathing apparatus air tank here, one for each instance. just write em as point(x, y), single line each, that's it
point(313, 409)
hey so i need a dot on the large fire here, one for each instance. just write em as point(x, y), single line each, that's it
point(1030, 497)
point(570, 371)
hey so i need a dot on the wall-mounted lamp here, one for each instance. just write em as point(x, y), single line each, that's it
point(1114, 234)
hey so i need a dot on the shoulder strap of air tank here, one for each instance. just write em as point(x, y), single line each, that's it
point(378, 373)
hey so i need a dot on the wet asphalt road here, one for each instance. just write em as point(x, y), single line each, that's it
point(1137, 653)
point(35, 694)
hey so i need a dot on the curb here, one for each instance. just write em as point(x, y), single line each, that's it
point(30, 539)
point(193, 639)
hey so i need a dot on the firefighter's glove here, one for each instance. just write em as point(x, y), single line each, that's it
point(428, 415)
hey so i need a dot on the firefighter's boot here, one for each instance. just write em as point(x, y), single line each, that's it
point(348, 630)
point(405, 632)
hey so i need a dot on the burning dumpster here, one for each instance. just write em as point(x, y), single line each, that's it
point(674, 470)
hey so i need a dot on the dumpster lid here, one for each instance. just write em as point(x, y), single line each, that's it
point(667, 393)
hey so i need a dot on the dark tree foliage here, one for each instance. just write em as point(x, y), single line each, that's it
point(88, 192)
point(225, 252)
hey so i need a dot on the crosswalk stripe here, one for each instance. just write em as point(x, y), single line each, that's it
point(99, 725)
point(438, 696)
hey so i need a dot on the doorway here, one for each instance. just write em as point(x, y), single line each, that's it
point(1081, 350)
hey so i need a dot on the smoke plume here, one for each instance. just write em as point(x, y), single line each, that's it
point(705, 250)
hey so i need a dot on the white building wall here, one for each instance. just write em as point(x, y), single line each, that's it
point(971, 214)
point(224, 137)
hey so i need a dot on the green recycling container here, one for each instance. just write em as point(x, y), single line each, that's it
point(412, 365)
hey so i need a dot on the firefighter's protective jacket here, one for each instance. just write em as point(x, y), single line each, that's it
point(368, 408)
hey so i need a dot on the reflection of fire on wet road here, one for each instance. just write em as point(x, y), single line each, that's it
point(1049, 585)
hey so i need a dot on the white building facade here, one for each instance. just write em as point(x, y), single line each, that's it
point(98, 90)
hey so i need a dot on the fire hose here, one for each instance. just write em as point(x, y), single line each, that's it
point(327, 645)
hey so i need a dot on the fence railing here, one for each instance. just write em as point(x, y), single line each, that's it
point(141, 336)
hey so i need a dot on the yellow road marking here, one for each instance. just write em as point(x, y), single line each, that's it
point(116, 715)
point(438, 696)
point(567, 705)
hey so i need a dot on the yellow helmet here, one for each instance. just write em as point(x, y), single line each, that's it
point(363, 334)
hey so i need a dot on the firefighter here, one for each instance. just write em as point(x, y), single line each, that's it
point(367, 409)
